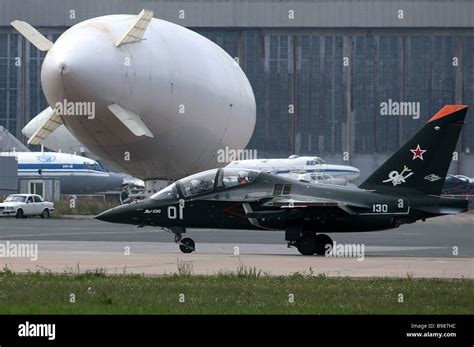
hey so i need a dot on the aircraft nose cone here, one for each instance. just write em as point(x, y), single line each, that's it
point(103, 216)
point(126, 214)
point(111, 215)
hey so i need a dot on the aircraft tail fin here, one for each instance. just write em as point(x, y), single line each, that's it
point(421, 165)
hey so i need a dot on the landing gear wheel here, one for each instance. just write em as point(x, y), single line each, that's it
point(306, 245)
point(187, 245)
point(322, 243)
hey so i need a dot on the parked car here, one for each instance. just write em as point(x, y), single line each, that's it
point(23, 205)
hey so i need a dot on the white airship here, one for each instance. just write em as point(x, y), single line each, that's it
point(306, 168)
point(149, 96)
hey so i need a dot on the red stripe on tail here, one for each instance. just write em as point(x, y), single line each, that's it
point(446, 111)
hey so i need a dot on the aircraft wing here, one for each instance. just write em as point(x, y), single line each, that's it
point(298, 202)
point(302, 201)
point(291, 207)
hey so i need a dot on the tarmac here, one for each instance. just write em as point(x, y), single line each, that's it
point(438, 248)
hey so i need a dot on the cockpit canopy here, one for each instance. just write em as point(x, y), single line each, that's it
point(315, 161)
point(168, 193)
point(206, 182)
point(200, 183)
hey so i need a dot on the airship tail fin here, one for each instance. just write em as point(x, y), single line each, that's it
point(32, 35)
point(421, 165)
point(131, 120)
point(52, 122)
point(137, 29)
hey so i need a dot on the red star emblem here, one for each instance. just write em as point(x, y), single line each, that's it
point(417, 152)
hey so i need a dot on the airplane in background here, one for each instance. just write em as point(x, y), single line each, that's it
point(302, 168)
point(78, 175)
point(458, 185)
point(404, 189)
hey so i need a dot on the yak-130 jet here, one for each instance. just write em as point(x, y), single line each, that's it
point(405, 189)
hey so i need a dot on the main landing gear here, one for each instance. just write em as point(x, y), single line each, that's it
point(310, 243)
point(186, 245)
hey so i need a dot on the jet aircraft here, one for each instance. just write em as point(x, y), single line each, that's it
point(405, 189)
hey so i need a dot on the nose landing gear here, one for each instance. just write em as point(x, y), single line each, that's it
point(187, 244)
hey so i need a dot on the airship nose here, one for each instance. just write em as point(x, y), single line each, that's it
point(83, 65)
point(53, 72)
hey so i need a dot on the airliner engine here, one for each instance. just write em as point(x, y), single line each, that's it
point(149, 96)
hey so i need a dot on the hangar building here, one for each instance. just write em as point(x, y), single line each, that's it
point(328, 76)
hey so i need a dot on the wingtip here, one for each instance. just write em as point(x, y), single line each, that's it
point(447, 110)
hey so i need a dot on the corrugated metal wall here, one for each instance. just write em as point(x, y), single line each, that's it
point(252, 13)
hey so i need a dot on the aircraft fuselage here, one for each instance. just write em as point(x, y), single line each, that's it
point(241, 208)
